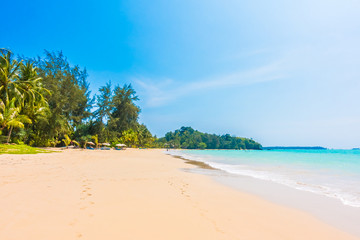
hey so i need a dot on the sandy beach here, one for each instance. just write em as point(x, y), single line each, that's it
point(136, 194)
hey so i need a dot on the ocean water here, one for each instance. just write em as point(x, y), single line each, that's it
point(333, 173)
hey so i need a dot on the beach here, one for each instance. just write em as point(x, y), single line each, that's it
point(136, 194)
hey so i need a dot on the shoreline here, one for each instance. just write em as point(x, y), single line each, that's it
point(136, 194)
point(329, 210)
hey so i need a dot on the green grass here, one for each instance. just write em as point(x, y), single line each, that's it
point(20, 149)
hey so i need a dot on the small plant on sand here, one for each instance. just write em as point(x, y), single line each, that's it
point(66, 140)
point(54, 142)
point(96, 140)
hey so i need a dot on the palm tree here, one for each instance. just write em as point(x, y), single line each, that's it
point(21, 92)
point(34, 105)
point(96, 140)
point(129, 137)
point(30, 85)
point(20, 80)
point(67, 141)
point(9, 73)
point(144, 136)
point(10, 117)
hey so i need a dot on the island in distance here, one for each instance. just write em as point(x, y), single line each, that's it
point(293, 148)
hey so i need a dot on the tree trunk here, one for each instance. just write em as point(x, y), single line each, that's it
point(8, 139)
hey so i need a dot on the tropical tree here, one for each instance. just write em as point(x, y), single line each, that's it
point(85, 140)
point(129, 137)
point(54, 142)
point(66, 140)
point(21, 85)
point(34, 104)
point(30, 85)
point(104, 103)
point(124, 113)
point(115, 112)
point(202, 145)
point(96, 140)
point(144, 136)
point(70, 100)
point(10, 117)
point(9, 74)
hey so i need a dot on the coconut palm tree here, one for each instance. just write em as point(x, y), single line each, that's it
point(67, 141)
point(10, 117)
point(30, 85)
point(20, 80)
point(144, 136)
point(96, 140)
point(21, 91)
point(34, 104)
point(129, 137)
point(9, 73)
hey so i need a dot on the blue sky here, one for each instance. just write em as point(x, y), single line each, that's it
point(281, 72)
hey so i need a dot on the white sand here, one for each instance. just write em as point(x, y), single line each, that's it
point(135, 194)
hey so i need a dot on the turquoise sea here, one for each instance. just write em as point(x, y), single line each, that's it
point(333, 173)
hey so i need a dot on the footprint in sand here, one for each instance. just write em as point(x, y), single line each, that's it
point(85, 193)
point(72, 223)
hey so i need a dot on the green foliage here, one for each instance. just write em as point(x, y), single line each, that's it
point(104, 103)
point(45, 100)
point(21, 93)
point(75, 143)
point(54, 142)
point(83, 141)
point(188, 138)
point(69, 101)
point(20, 149)
point(9, 76)
point(124, 113)
point(116, 117)
point(144, 137)
point(129, 137)
point(66, 140)
point(202, 145)
point(10, 116)
point(95, 138)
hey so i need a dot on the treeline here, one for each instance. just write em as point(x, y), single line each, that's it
point(188, 138)
point(46, 102)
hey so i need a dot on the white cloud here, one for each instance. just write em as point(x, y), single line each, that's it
point(166, 91)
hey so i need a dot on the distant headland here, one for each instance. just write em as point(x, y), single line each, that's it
point(188, 138)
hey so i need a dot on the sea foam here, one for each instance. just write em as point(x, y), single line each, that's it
point(332, 173)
